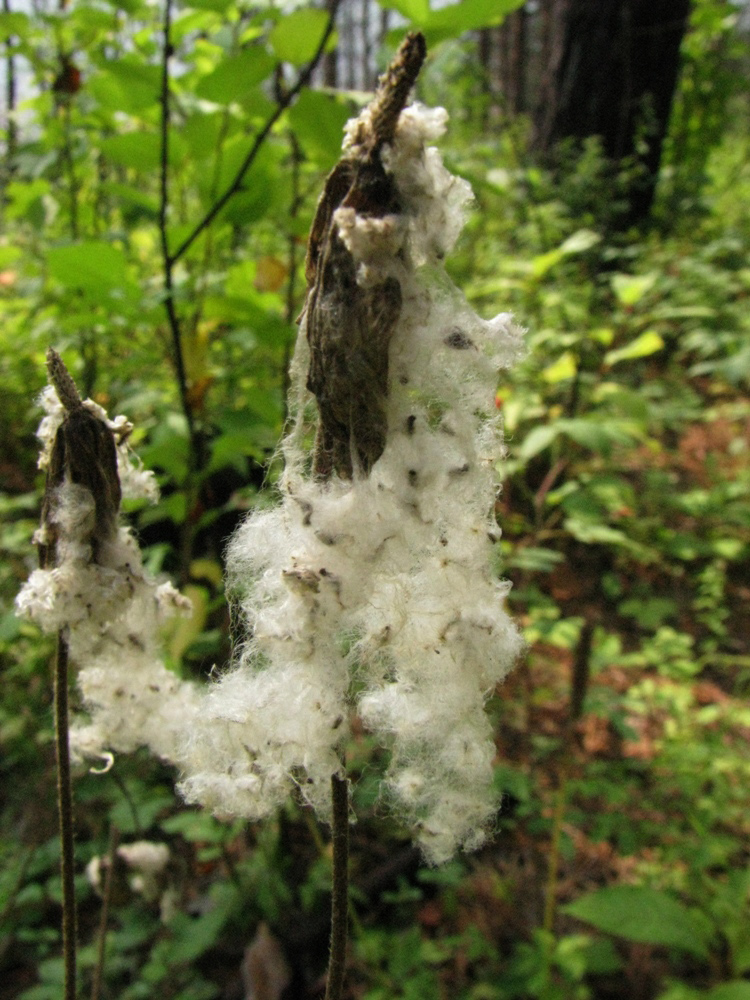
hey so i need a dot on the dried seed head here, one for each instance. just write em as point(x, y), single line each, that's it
point(84, 455)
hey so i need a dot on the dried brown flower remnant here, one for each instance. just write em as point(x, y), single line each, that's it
point(349, 323)
point(84, 454)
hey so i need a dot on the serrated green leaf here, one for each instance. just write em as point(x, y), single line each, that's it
point(641, 914)
point(236, 75)
point(646, 344)
point(296, 37)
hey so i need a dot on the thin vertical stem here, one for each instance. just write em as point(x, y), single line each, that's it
point(10, 98)
point(167, 260)
point(340, 889)
point(70, 165)
point(578, 690)
point(96, 985)
point(65, 812)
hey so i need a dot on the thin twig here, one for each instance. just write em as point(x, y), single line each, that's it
point(65, 813)
point(10, 99)
point(167, 259)
point(578, 689)
point(340, 888)
point(96, 984)
point(70, 165)
point(284, 101)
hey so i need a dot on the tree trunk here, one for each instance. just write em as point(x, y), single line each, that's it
point(613, 67)
point(330, 60)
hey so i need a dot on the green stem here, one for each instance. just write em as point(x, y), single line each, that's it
point(340, 893)
point(65, 811)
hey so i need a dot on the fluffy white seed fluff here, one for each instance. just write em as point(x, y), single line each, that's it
point(111, 610)
point(386, 578)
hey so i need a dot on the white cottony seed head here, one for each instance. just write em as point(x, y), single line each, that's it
point(111, 610)
point(386, 578)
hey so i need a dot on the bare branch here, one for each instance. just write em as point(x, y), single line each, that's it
point(167, 260)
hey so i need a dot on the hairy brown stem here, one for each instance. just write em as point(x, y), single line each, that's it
point(65, 812)
point(340, 888)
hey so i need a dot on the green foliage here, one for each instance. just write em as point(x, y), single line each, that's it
point(626, 508)
point(641, 914)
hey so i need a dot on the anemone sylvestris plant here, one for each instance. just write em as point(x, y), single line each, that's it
point(367, 588)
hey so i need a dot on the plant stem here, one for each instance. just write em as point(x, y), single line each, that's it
point(578, 689)
point(340, 888)
point(550, 901)
point(65, 812)
point(167, 260)
point(96, 985)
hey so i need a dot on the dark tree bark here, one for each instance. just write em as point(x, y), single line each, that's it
point(612, 71)
point(513, 62)
point(330, 60)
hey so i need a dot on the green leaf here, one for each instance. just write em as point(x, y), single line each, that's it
point(296, 37)
point(649, 613)
point(648, 343)
point(558, 371)
point(630, 288)
point(416, 11)
point(641, 914)
point(738, 990)
point(235, 75)
point(589, 434)
point(23, 196)
point(318, 121)
point(217, 6)
point(92, 266)
point(137, 150)
point(535, 560)
point(468, 15)
point(580, 241)
point(133, 197)
point(14, 23)
point(127, 84)
point(537, 440)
